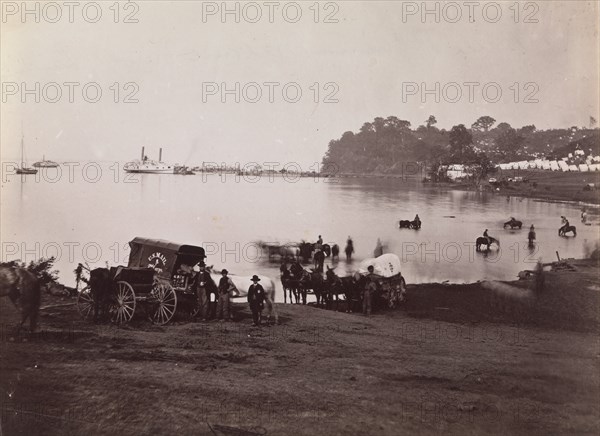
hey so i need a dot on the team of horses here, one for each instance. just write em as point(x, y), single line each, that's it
point(327, 290)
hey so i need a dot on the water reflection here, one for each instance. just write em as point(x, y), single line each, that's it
point(229, 214)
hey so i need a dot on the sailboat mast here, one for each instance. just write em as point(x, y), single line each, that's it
point(22, 145)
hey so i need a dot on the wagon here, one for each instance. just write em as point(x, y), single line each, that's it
point(391, 286)
point(158, 276)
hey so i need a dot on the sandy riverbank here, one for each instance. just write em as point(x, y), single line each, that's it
point(460, 359)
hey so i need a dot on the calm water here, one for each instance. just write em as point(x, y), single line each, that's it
point(227, 214)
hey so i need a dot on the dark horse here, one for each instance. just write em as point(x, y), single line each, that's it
point(487, 242)
point(334, 286)
point(312, 280)
point(335, 251)
point(406, 224)
point(513, 223)
point(564, 230)
point(101, 291)
point(289, 284)
point(24, 289)
point(319, 258)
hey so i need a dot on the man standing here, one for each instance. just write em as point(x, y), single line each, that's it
point(370, 288)
point(226, 287)
point(203, 285)
point(256, 299)
point(319, 245)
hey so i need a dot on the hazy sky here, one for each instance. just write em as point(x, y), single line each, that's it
point(372, 54)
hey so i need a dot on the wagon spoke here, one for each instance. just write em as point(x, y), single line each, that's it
point(123, 307)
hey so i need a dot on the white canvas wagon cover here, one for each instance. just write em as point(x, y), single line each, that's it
point(386, 265)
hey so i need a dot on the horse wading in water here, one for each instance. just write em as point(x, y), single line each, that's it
point(564, 230)
point(513, 223)
point(24, 290)
point(487, 242)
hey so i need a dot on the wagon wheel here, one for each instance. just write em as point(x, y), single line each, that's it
point(122, 305)
point(85, 303)
point(164, 303)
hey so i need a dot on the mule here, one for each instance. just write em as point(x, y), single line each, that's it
point(564, 230)
point(312, 280)
point(487, 242)
point(24, 290)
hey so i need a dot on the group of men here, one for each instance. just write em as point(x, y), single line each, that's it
point(214, 301)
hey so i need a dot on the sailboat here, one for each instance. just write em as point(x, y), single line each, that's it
point(24, 169)
point(45, 163)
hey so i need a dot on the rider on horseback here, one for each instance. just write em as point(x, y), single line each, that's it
point(565, 223)
point(485, 235)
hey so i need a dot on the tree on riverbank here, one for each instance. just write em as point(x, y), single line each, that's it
point(388, 145)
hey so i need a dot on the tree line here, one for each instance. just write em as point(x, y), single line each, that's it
point(386, 144)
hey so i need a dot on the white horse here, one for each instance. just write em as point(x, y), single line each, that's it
point(242, 283)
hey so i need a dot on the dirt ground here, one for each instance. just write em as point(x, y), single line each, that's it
point(462, 359)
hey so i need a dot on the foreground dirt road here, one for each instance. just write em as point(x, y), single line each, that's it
point(318, 372)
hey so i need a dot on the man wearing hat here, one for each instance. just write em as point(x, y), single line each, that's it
point(204, 283)
point(226, 287)
point(256, 299)
point(369, 290)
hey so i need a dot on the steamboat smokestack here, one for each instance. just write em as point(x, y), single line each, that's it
point(160, 154)
point(142, 154)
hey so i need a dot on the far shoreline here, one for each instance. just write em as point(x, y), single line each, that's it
point(549, 186)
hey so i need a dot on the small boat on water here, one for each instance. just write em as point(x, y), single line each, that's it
point(149, 166)
point(45, 163)
point(24, 169)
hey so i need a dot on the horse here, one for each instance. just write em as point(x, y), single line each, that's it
point(564, 230)
point(290, 285)
point(100, 284)
point(334, 286)
point(406, 224)
point(24, 289)
point(306, 249)
point(487, 242)
point(513, 223)
point(312, 280)
point(335, 251)
point(319, 259)
point(531, 238)
point(349, 250)
point(242, 283)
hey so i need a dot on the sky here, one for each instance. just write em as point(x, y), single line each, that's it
point(370, 59)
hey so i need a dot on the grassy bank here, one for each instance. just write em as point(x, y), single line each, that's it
point(460, 359)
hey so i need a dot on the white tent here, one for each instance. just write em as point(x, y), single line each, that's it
point(546, 165)
point(563, 165)
point(583, 168)
point(554, 166)
point(573, 168)
point(594, 167)
point(579, 153)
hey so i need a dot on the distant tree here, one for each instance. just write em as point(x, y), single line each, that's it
point(367, 128)
point(509, 144)
point(528, 130)
point(503, 126)
point(431, 121)
point(461, 144)
point(396, 123)
point(483, 123)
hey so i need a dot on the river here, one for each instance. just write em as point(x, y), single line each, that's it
point(91, 215)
